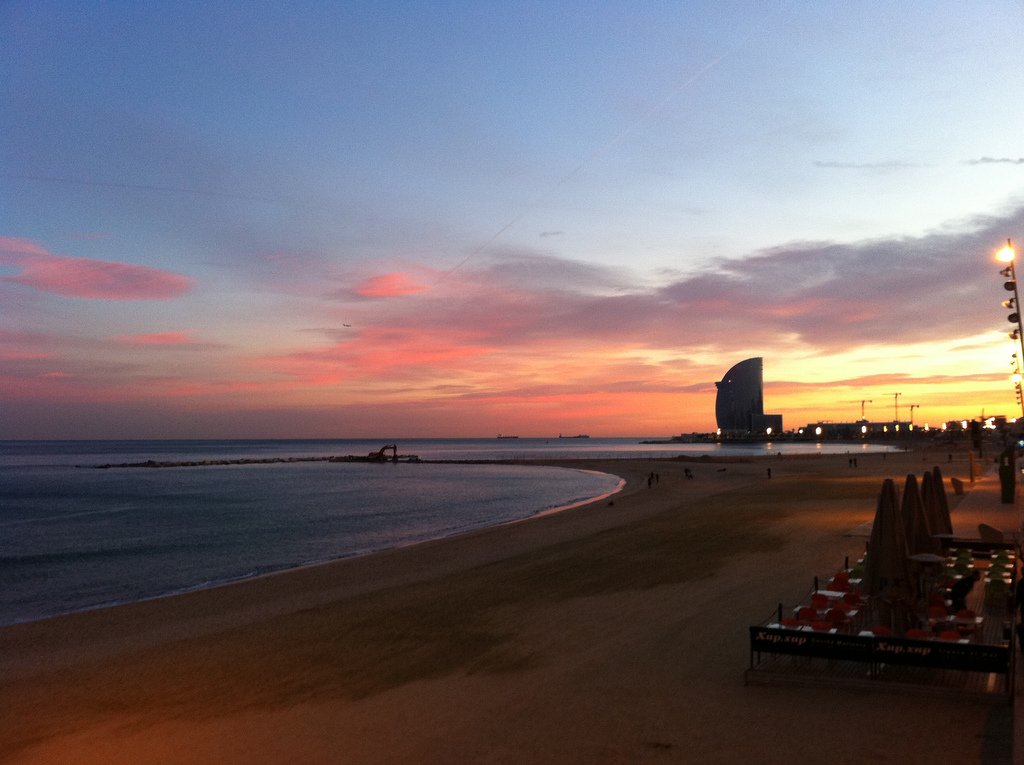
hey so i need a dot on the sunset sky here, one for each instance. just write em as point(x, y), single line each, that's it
point(356, 219)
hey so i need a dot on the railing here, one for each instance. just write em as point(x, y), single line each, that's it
point(877, 651)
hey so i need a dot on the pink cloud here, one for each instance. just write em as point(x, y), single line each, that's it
point(24, 356)
point(394, 352)
point(87, 278)
point(389, 285)
point(201, 388)
point(158, 339)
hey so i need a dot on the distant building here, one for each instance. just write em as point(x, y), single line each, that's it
point(739, 406)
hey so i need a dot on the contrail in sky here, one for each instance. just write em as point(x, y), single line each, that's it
point(600, 151)
point(530, 207)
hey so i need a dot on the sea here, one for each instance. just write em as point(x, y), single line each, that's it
point(75, 536)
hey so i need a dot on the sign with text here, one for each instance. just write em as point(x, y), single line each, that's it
point(938, 654)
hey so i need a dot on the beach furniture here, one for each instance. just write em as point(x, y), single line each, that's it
point(806, 614)
point(937, 615)
point(837, 617)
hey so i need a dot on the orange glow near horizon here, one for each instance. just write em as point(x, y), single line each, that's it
point(454, 389)
point(479, 354)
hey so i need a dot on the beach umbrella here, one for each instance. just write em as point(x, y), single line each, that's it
point(915, 523)
point(930, 498)
point(939, 514)
point(887, 571)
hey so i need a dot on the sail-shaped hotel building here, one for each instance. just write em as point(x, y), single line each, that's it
point(739, 406)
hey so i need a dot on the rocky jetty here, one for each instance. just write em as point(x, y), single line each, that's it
point(372, 457)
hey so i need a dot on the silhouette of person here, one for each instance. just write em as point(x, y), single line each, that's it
point(962, 588)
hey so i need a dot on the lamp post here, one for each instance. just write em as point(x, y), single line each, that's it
point(1007, 461)
point(1008, 255)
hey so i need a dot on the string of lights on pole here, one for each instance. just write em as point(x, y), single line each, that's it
point(1007, 255)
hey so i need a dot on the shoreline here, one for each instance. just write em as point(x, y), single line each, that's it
point(284, 569)
point(614, 633)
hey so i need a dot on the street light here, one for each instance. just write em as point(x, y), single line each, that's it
point(1008, 255)
point(1016, 378)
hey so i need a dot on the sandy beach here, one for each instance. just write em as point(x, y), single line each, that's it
point(615, 632)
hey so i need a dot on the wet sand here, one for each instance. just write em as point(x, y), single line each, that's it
point(610, 633)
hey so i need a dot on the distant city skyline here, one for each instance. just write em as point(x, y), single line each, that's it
point(464, 219)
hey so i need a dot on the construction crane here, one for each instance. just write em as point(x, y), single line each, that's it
point(862, 402)
point(912, 408)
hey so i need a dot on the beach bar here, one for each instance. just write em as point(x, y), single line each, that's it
point(955, 652)
point(938, 622)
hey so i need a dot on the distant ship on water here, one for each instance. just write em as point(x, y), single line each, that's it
point(501, 436)
point(581, 435)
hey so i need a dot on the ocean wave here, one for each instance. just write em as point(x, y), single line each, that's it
point(79, 555)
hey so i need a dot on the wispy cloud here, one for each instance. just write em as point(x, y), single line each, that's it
point(394, 352)
point(809, 297)
point(389, 286)
point(996, 161)
point(85, 277)
point(87, 236)
point(887, 165)
point(159, 339)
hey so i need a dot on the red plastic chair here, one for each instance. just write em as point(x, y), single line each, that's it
point(880, 630)
point(937, 613)
point(917, 634)
point(949, 635)
point(965, 624)
point(821, 626)
point(853, 598)
point(819, 601)
point(807, 614)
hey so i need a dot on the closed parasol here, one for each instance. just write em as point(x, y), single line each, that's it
point(937, 509)
point(915, 523)
point(886, 571)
